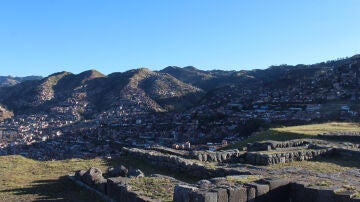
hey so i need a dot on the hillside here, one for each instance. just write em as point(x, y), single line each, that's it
point(216, 104)
point(10, 81)
point(5, 113)
point(91, 91)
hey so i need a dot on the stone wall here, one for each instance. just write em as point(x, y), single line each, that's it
point(178, 164)
point(111, 189)
point(221, 190)
point(273, 145)
point(204, 156)
point(299, 192)
point(269, 158)
point(264, 190)
point(167, 150)
point(219, 156)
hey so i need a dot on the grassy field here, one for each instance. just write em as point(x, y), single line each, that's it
point(315, 129)
point(297, 132)
point(156, 188)
point(23, 179)
point(329, 165)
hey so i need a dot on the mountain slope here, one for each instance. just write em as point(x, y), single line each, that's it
point(91, 92)
point(10, 81)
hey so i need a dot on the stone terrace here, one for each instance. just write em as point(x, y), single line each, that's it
point(234, 175)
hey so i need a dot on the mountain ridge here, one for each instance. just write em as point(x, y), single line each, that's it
point(171, 89)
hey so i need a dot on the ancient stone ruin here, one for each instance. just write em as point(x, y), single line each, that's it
point(238, 175)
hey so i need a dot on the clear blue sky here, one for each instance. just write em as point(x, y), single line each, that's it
point(40, 37)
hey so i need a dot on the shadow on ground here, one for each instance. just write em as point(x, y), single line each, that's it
point(344, 162)
point(62, 189)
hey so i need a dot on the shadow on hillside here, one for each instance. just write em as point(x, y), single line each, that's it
point(62, 189)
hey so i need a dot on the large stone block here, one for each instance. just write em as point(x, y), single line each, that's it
point(237, 194)
point(251, 194)
point(261, 190)
point(203, 196)
point(320, 194)
point(181, 193)
point(222, 195)
point(279, 189)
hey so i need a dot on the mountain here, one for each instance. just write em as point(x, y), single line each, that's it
point(330, 84)
point(10, 81)
point(274, 76)
point(148, 90)
point(91, 92)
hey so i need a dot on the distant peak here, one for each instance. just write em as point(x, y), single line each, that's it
point(176, 68)
point(171, 67)
point(190, 68)
point(91, 74)
point(60, 73)
point(142, 71)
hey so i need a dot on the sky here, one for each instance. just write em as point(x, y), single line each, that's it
point(40, 37)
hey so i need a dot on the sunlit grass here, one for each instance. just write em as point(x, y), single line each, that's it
point(156, 188)
point(297, 132)
point(329, 165)
point(315, 129)
point(23, 179)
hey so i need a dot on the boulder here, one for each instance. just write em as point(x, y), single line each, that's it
point(93, 177)
point(135, 173)
point(117, 171)
point(204, 183)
